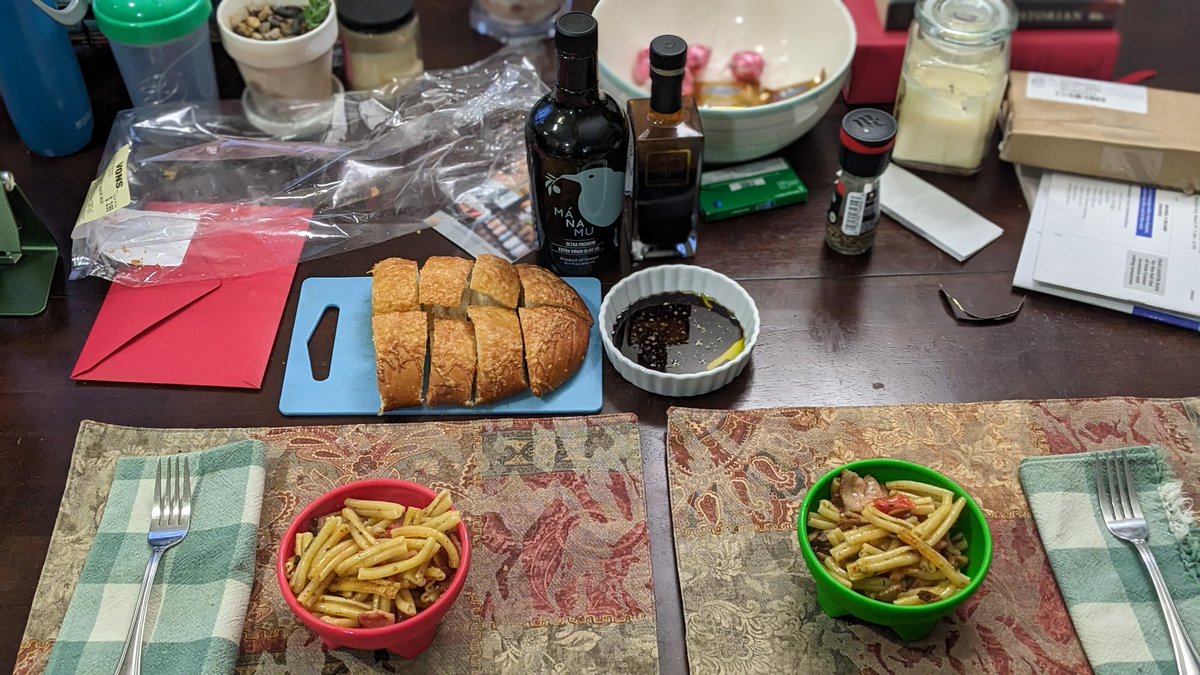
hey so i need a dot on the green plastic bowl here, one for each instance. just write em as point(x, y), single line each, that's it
point(910, 623)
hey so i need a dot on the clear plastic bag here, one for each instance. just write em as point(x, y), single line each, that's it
point(374, 166)
point(494, 217)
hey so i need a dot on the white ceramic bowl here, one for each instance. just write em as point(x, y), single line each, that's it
point(797, 38)
point(669, 279)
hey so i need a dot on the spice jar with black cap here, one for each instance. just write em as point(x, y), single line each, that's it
point(380, 41)
point(866, 138)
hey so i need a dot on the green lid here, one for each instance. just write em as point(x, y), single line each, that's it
point(149, 22)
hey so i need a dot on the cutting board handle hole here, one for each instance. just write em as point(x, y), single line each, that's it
point(320, 345)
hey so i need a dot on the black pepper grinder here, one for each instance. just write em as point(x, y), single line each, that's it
point(867, 137)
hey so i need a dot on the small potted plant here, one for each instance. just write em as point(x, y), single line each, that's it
point(283, 48)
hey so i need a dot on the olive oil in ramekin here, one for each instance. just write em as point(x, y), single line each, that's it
point(678, 333)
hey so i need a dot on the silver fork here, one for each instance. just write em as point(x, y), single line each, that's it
point(170, 518)
point(1118, 498)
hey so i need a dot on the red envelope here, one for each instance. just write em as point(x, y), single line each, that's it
point(217, 330)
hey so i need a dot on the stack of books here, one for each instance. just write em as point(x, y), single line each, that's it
point(1063, 37)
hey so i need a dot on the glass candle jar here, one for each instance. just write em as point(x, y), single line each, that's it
point(380, 41)
point(952, 83)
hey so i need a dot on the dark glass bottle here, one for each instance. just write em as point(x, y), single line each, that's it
point(665, 151)
point(577, 142)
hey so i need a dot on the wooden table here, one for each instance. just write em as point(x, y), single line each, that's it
point(835, 330)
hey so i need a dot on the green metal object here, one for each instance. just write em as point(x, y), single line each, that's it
point(28, 254)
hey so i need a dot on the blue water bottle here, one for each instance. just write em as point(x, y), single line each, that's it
point(40, 81)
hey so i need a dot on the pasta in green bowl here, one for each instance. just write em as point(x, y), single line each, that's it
point(893, 543)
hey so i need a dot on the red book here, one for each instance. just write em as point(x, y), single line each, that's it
point(875, 73)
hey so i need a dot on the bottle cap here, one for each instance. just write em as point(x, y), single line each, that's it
point(575, 34)
point(668, 55)
point(867, 136)
point(375, 16)
point(150, 22)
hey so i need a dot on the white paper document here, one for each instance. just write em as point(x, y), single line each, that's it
point(943, 220)
point(1126, 242)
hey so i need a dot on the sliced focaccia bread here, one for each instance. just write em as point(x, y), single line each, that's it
point(542, 288)
point(400, 346)
point(444, 286)
point(495, 281)
point(451, 363)
point(500, 370)
point(394, 286)
point(556, 343)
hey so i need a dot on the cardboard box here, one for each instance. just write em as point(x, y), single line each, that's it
point(875, 72)
point(1104, 129)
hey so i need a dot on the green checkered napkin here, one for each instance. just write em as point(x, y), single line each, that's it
point(203, 585)
point(1106, 588)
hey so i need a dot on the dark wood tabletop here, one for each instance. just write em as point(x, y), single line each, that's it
point(836, 331)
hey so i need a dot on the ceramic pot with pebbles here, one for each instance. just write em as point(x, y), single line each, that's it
point(278, 49)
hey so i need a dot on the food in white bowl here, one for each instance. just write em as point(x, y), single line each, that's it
point(675, 353)
point(797, 40)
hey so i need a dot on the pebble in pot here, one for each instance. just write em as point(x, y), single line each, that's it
point(268, 22)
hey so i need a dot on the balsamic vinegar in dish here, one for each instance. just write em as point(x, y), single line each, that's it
point(678, 333)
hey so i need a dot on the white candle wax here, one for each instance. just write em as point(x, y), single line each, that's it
point(945, 116)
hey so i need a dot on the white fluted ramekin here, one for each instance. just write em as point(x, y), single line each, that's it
point(671, 279)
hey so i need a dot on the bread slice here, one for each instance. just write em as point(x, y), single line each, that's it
point(500, 372)
point(556, 343)
point(495, 281)
point(451, 362)
point(444, 286)
point(543, 288)
point(394, 287)
point(400, 345)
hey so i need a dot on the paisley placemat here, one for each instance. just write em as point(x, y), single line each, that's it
point(560, 575)
point(737, 479)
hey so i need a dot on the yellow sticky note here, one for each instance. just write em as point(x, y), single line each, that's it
point(110, 191)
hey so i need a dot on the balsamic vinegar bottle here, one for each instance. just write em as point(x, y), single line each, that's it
point(577, 141)
point(666, 147)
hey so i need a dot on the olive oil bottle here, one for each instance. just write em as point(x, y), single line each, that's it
point(666, 146)
point(577, 140)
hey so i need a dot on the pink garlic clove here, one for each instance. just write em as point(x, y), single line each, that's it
point(689, 84)
point(747, 67)
point(697, 57)
point(641, 67)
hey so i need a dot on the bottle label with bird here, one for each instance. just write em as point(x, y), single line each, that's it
point(579, 210)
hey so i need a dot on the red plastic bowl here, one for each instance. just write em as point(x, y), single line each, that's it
point(407, 638)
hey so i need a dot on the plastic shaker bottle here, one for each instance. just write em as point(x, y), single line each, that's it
point(162, 46)
point(40, 81)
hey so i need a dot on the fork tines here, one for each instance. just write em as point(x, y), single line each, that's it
point(172, 496)
point(1115, 489)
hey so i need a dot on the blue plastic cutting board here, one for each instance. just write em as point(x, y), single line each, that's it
point(351, 388)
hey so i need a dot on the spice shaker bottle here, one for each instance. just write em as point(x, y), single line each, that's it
point(866, 139)
point(380, 41)
point(40, 81)
point(952, 83)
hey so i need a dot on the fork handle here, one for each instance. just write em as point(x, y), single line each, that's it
point(1185, 652)
point(131, 653)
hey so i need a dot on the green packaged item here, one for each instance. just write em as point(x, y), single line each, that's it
point(757, 186)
